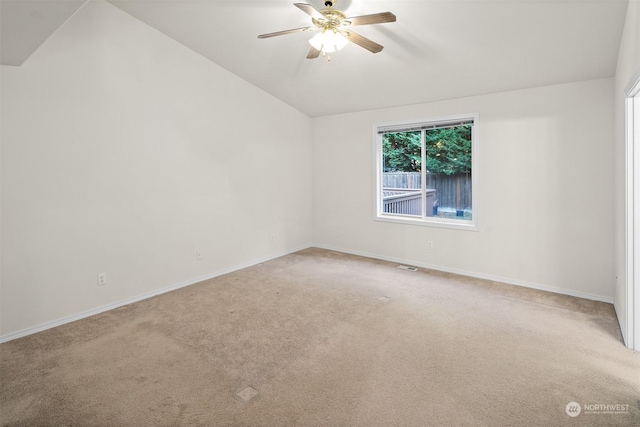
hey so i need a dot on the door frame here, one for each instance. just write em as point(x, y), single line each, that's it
point(632, 226)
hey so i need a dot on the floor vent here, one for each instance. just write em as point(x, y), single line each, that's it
point(247, 393)
point(406, 267)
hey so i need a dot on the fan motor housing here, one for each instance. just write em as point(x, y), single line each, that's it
point(333, 19)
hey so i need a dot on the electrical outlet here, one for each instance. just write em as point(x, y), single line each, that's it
point(429, 244)
point(198, 256)
point(102, 279)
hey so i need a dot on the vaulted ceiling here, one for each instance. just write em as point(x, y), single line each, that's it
point(437, 49)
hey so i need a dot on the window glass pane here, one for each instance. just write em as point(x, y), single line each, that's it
point(449, 171)
point(425, 172)
point(401, 174)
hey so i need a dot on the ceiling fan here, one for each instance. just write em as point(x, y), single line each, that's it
point(335, 29)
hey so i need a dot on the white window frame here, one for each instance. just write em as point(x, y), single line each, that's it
point(459, 224)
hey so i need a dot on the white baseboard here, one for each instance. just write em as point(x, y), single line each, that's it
point(506, 280)
point(102, 309)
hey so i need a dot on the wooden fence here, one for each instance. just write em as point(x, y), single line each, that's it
point(449, 188)
point(407, 201)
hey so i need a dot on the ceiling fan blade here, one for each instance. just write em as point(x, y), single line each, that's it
point(309, 10)
point(364, 42)
point(282, 33)
point(313, 53)
point(374, 18)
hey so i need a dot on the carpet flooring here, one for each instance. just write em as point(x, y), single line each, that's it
point(321, 338)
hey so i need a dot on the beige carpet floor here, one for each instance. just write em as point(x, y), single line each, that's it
point(320, 338)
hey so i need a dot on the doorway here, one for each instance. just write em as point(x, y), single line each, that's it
point(633, 213)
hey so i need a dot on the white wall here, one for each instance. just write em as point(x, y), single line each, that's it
point(628, 66)
point(124, 152)
point(546, 179)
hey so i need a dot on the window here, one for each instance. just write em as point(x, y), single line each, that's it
point(426, 172)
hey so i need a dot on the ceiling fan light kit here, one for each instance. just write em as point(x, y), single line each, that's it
point(334, 29)
point(328, 41)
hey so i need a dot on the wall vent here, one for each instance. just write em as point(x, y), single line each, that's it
point(406, 267)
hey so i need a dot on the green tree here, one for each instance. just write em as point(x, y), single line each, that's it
point(449, 150)
point(401, 152)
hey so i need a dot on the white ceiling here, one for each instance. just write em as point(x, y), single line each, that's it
point(26, 24)
point(437, 49)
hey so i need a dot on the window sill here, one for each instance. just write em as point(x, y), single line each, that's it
point(431, 222)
